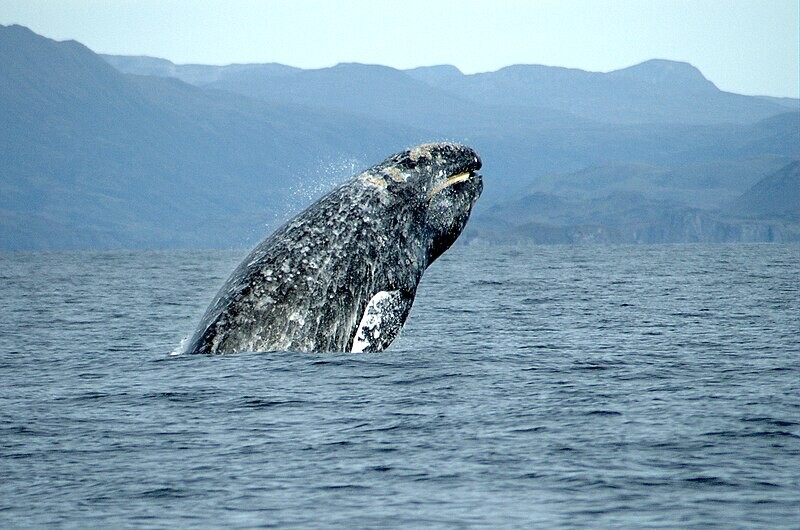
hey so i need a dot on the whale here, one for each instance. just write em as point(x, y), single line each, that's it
point(342, 275)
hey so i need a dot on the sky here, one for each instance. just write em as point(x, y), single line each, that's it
point(744, 46)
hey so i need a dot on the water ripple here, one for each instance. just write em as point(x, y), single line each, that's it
point(531, 387)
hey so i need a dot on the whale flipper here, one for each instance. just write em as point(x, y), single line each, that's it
point(382, 320)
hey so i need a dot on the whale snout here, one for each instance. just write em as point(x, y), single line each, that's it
point(454, 167)
point(477, 181)
point(476, 163)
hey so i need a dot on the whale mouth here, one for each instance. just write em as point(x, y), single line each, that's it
point(454, 179)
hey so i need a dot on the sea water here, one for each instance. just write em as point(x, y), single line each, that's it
point(562, 386)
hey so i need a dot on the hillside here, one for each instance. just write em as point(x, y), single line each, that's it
point(93, 157)
point(621, 218)
point(706, 185)
point(194, 155)
point(775, 196)
point(628, 203)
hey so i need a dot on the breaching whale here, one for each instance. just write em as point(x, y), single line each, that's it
point(342, 274)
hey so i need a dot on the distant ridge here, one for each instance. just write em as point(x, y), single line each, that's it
point(675, 75)
point(195, 74)
point(655, 91)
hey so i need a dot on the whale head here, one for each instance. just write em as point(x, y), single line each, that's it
point(438, 182)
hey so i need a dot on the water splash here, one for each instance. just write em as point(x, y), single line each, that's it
point(180, 349)
point(322, 179)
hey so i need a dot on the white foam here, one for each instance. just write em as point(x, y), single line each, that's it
point(181, 348)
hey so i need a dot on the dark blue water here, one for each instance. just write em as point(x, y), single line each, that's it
point(556, 386)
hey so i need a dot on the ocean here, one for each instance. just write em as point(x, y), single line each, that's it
point(555, 386)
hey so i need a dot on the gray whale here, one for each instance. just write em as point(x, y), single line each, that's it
point(342, 275)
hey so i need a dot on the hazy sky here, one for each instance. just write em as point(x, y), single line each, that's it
point(744, 46)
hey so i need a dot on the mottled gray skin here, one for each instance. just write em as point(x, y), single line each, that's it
point(307, 286)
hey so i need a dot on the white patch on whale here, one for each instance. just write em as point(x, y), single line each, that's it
point(382, 315)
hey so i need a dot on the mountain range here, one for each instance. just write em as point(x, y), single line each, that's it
point(112, 151)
